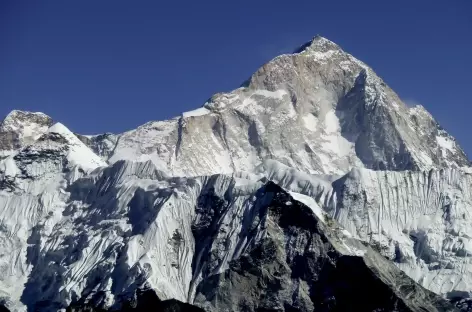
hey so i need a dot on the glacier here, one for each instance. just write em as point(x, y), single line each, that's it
point(420, 220)
point(309, 177)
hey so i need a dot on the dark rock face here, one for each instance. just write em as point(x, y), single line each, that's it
point(176, 306)
point(9, 140)
point(3, 308)
point(102, 144)
point(464, 305)
point(145, 300)
point(300, 265)
point(378, 143)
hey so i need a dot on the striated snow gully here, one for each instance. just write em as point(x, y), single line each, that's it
point(312, 187)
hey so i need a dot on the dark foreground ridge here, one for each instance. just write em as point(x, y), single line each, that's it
point(146, 300)
point(299, 266)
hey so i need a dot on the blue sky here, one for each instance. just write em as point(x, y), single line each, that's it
point(111, 65)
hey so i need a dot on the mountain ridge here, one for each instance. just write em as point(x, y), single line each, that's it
point(312, 90)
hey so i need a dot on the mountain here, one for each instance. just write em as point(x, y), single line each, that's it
point(310, 187)
point(318, 110)
point(19, 129)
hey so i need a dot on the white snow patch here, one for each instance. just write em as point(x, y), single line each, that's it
point(335, 149)
point(466, 169)
point(320, 56)
point(196, 112)
point(337, 145)
point(445, 143)
point(248, 102)
point(310, 122)
point(278, 94)
point(311, 203)
point(346, 233)
point(331, 122)
point(9, 167)
point(6, 153)
point(354, 251)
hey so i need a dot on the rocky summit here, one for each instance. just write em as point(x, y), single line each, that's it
point(311, 187)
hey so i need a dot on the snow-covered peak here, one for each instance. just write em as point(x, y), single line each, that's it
point(26, 124)
point(15, 119)
point(420, 110)
point(318, 43)
point(56, 155)
point(64, 131)
point(20, 128)
point(320, 111)
point(78, 154)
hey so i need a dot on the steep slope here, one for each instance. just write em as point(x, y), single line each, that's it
point(102, 144)
point(32, 191)
point(318, 110)
point(420, 220)
point(211, 241)
point(304, 264)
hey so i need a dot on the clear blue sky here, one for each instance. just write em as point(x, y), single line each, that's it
point(111, 65)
